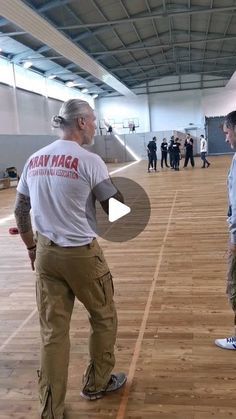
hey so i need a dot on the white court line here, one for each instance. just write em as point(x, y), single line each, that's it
point(5, 219)
point(18, 329)
point(124, 400)
point(122, 168)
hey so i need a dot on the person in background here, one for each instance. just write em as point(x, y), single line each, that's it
point(203, 151)
point(133, 128)
point(170, 150)
point(152, 147)
point(229, 128)
point(150, 164)
point(61, 183)
point(130, 126)
point(164, 152)
point(188, 151)
point(110, 129)
point(176, 153)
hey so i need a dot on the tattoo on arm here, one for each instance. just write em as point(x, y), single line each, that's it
point(22, 213)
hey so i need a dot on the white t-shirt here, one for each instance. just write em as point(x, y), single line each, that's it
point(203, 145)
point(59, 179)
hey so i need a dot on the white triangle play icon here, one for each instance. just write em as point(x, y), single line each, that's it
point(117, 210)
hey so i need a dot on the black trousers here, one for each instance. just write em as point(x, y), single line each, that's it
point(171, 157)
point(187, 158)
point(164, 158)
point(176, 161)
point(152, 161)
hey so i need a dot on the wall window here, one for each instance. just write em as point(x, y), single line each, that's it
point(6, 72)
point(33, 82)
point(28, 80)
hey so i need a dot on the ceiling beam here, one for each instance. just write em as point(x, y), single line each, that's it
point(161, 15)
point(48, 6)
point(154, 25)
point(52, 4)
point(175, 44)
point(16, 33)
point(107, 96)
point(230, 19)
point(137, 35)
point(78, 37)
point(225, 70)
point(180, 70)
point(181, 82)
point(207, 32)
point(178, 90)
point(130, 67)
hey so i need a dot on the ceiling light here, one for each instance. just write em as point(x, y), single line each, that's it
point(52, 76)
point(85, 90)
point(94, 96)
point(27, 64)
point(69, 83)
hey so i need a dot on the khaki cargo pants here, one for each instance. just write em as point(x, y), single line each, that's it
point(64, 273)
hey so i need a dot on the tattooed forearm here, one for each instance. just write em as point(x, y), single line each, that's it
point(22, 213)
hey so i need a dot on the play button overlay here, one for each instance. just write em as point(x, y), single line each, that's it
point(117, 210)
point(126, 220)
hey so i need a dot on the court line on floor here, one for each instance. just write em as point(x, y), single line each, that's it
point(19, 328)
point(5, 219)
point(122, 168)
point(124, 400)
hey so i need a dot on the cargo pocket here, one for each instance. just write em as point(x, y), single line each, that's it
point(101, 264)
point(99, 292)
point(106, 283)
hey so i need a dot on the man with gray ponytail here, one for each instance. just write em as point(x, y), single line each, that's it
point(61, 183)
point(230, 133)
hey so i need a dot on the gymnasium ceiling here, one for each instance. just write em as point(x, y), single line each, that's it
point(123, 46)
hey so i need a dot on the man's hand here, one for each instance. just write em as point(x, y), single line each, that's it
point(32, 256)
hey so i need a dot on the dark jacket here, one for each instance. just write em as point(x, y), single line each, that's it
point(176, 148)
point(164, 147)
point(189, 146)
point(152, 147)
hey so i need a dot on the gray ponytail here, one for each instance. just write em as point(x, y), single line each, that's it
point(57, 121)
point(69, 112)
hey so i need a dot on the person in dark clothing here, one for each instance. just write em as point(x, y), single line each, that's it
point(188, 151)
point(150, 164)
point(164, 152)
point(152, 147)
point(172, 139)
point(109, 129)
point(176, 154)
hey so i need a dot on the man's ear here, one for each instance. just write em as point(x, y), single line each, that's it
point(81, 122)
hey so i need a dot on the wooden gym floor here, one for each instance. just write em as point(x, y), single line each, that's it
point(170, 296)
